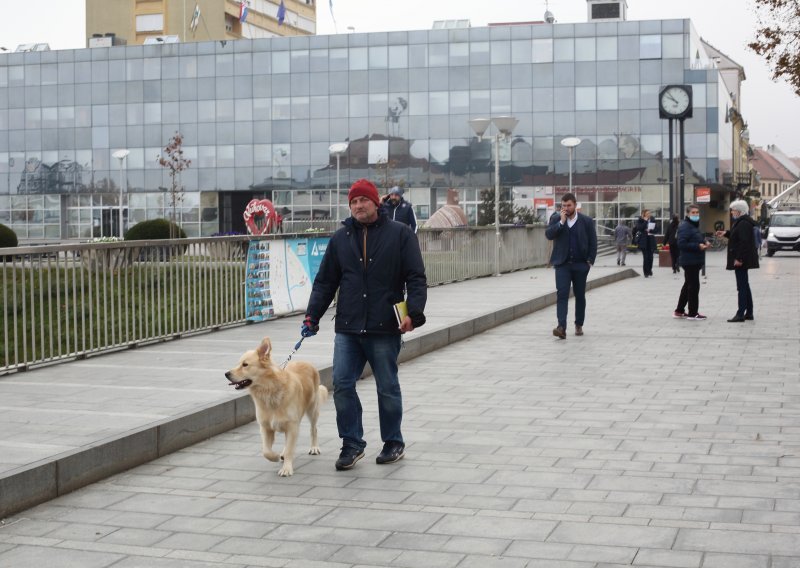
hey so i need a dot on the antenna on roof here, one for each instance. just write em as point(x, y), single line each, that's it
point(548, 15)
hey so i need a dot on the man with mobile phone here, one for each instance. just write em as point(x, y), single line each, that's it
point(574, 250)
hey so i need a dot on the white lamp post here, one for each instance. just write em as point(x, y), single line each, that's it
point(337, 150)
point(120, 155)
point(570, 143)
point(504, 126)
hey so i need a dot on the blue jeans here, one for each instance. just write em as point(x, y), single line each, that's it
point(745, 295)
point(571, 274)
point(350, 354)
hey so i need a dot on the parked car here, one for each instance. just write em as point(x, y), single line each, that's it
point(783, 232)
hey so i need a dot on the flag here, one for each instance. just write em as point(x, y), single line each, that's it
point(242, 10)
point(281, 13)
point(195, 18)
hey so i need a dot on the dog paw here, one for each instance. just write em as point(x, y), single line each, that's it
point(271, 456)
point(314, 451)
point(286, 470)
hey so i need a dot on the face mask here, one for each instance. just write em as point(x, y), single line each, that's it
point(694, 218)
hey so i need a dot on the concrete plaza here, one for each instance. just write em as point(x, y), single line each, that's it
point(650, 441)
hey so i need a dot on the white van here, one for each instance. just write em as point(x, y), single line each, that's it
point(783, 232)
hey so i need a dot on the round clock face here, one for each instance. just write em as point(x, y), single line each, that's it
point(675, 101)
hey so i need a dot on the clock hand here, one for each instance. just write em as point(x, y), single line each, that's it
point(674, 100)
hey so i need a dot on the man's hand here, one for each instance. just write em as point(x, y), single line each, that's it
point(309, 328)
point(737, 263)
point(406, 326)
point(563, 216)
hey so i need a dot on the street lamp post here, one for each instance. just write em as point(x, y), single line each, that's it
point(337, 150)
point(504, 126)
point(570, 143)
point(120, 155)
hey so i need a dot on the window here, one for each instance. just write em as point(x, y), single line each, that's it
point(650, 47)
point(150, 23)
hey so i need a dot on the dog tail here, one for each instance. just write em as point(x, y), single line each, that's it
point(322, 395)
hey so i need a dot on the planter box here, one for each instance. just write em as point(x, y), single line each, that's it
point(107, 258)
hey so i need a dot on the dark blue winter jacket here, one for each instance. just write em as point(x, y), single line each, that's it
point(403, 212)
point(689, 240)
point(369, 285)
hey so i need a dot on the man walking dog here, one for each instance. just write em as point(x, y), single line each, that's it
point(370, 261)
point(574, 250)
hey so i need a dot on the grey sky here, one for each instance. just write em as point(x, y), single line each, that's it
point(771, 109)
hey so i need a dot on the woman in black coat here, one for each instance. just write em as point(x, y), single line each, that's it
point(671, 239)
point(742, 256)
point(643, 236)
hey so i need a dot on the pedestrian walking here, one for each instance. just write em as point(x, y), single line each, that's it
point(643, 236)
point(399, 209)
point(671, 240)
point(622, 236)
point(742, 256)
point(370, 261)
point(574, 250)
point(692, 244)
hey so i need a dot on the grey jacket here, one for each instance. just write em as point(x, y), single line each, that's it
point(622, 235)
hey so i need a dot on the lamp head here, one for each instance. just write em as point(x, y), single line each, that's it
point(479, 126)
point(505, 124)
point(121, 154)
point(338, 148)
point(570, 142)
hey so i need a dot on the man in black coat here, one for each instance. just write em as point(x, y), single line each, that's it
point(742, 256)
point(370, 261)
point(574, 250)
point(399, 209)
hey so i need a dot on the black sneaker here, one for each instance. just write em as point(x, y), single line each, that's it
point(348, 458)
point(392, 452)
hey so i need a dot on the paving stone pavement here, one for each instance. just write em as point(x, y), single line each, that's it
point(648, 442)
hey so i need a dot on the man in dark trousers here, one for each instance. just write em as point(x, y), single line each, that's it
point(399, 209)
point(574, 249)
point(370, 261)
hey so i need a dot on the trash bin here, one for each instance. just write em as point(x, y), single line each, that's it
point(664, 259)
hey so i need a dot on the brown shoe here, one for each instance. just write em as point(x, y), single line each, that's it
point(578, 330)
point(560, 332)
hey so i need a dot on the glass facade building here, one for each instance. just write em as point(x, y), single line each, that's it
point(258, 118)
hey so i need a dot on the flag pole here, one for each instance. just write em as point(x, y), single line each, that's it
point(183, 39)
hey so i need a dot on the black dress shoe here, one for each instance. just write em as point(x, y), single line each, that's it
point(749, 317)
point(348, 458)
point(736, 319)
point(392, 452)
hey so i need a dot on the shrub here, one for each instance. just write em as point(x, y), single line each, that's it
point(154, 229)
point(8, 239)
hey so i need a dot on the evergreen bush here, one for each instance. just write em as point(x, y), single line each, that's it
point(154, 229)
point(8, 239)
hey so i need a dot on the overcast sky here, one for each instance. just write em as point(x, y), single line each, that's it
point(771, 109)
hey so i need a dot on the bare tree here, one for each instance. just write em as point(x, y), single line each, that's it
point(171, 157)
point(778, 38)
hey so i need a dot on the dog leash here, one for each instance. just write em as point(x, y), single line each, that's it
point(289, 358)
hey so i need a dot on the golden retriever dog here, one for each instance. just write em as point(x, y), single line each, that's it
point(281, 398)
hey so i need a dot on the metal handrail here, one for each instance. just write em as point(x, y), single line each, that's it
point(71, 301)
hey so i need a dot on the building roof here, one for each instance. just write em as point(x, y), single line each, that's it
point(769, 168)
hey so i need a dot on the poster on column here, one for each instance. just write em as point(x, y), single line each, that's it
point(258, 299)
point(280, 275)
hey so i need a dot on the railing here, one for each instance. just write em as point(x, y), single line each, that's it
point(65, 302)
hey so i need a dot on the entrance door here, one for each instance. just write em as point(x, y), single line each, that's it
point(109, 226)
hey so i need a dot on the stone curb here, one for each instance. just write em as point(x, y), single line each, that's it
point(36, 483)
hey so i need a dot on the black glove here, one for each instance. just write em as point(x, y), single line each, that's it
point(309, 328)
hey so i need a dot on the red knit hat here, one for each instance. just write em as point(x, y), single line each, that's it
point(364, 188)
